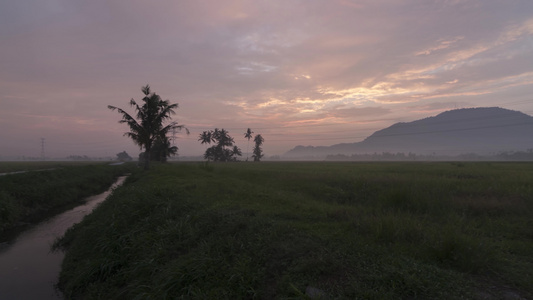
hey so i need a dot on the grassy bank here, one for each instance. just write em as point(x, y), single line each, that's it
point(22, 166)
point(281, 230)
point(30, 196)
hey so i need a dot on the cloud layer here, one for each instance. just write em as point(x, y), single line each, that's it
point(298, 72)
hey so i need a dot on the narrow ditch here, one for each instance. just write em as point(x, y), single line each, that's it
point(28, 267)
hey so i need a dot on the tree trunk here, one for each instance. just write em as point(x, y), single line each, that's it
point(147, 158)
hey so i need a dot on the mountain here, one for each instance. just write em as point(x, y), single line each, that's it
point(482, 131)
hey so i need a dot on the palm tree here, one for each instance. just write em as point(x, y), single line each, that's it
point(248, 135)
point(162, 149)
point(258, 152)
point(222, 137)
point(236, 152)
point(223, 150)
point(148, 124)
point(206, 137)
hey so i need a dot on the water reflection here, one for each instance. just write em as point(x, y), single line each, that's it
point(28, 269)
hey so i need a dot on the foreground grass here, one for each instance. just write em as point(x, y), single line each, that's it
point(30, 196)
point(339, 230)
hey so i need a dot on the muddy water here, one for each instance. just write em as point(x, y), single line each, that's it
point(28, 269)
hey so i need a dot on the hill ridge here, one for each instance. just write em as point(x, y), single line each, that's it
point(480, 130)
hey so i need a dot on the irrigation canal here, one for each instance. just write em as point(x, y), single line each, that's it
point(28, 267)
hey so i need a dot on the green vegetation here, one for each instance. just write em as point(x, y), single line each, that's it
point(224, 150)
point(340, 230)
point(248, 136)
point(258, 151)
point(147, 126)
point(32, 195)
point(22, 166)
point(124, 156)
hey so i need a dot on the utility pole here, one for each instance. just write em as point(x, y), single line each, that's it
point(42, 149)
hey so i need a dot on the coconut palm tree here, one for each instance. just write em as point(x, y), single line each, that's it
point(206, 137)
point(147, 125)
point(236, 151)
point(221, 151)
point(258, 152)
point(222, 137)
point(248, 135)
point(162, 149)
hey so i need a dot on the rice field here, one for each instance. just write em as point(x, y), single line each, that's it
point(300, 230)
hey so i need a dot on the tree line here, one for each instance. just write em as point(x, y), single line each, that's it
point(152, 122)
point(224, 148)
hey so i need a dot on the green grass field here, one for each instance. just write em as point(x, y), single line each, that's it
point(335, 230)
point(48, 187)
point(18, 166)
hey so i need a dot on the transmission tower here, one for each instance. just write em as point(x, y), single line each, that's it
point(42, 149)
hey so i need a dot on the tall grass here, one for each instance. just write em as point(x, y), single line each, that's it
point(20, 166)
point(27, 197)
point(275, 230)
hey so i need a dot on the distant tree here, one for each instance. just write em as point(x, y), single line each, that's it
point(206, 137)
point(123, 156)
point(258, 151)
point(147, 125)
point(236, 151)
point(224, 150)
point(248, 135)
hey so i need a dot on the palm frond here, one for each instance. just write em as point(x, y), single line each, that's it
point(146, 89)
point(147, 124)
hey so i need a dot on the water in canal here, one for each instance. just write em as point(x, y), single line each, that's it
point(28, 268)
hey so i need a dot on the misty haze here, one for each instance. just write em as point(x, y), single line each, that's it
point(304, 73)
point(266, 149)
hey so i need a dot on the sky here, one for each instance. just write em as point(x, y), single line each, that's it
point(298, 72)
